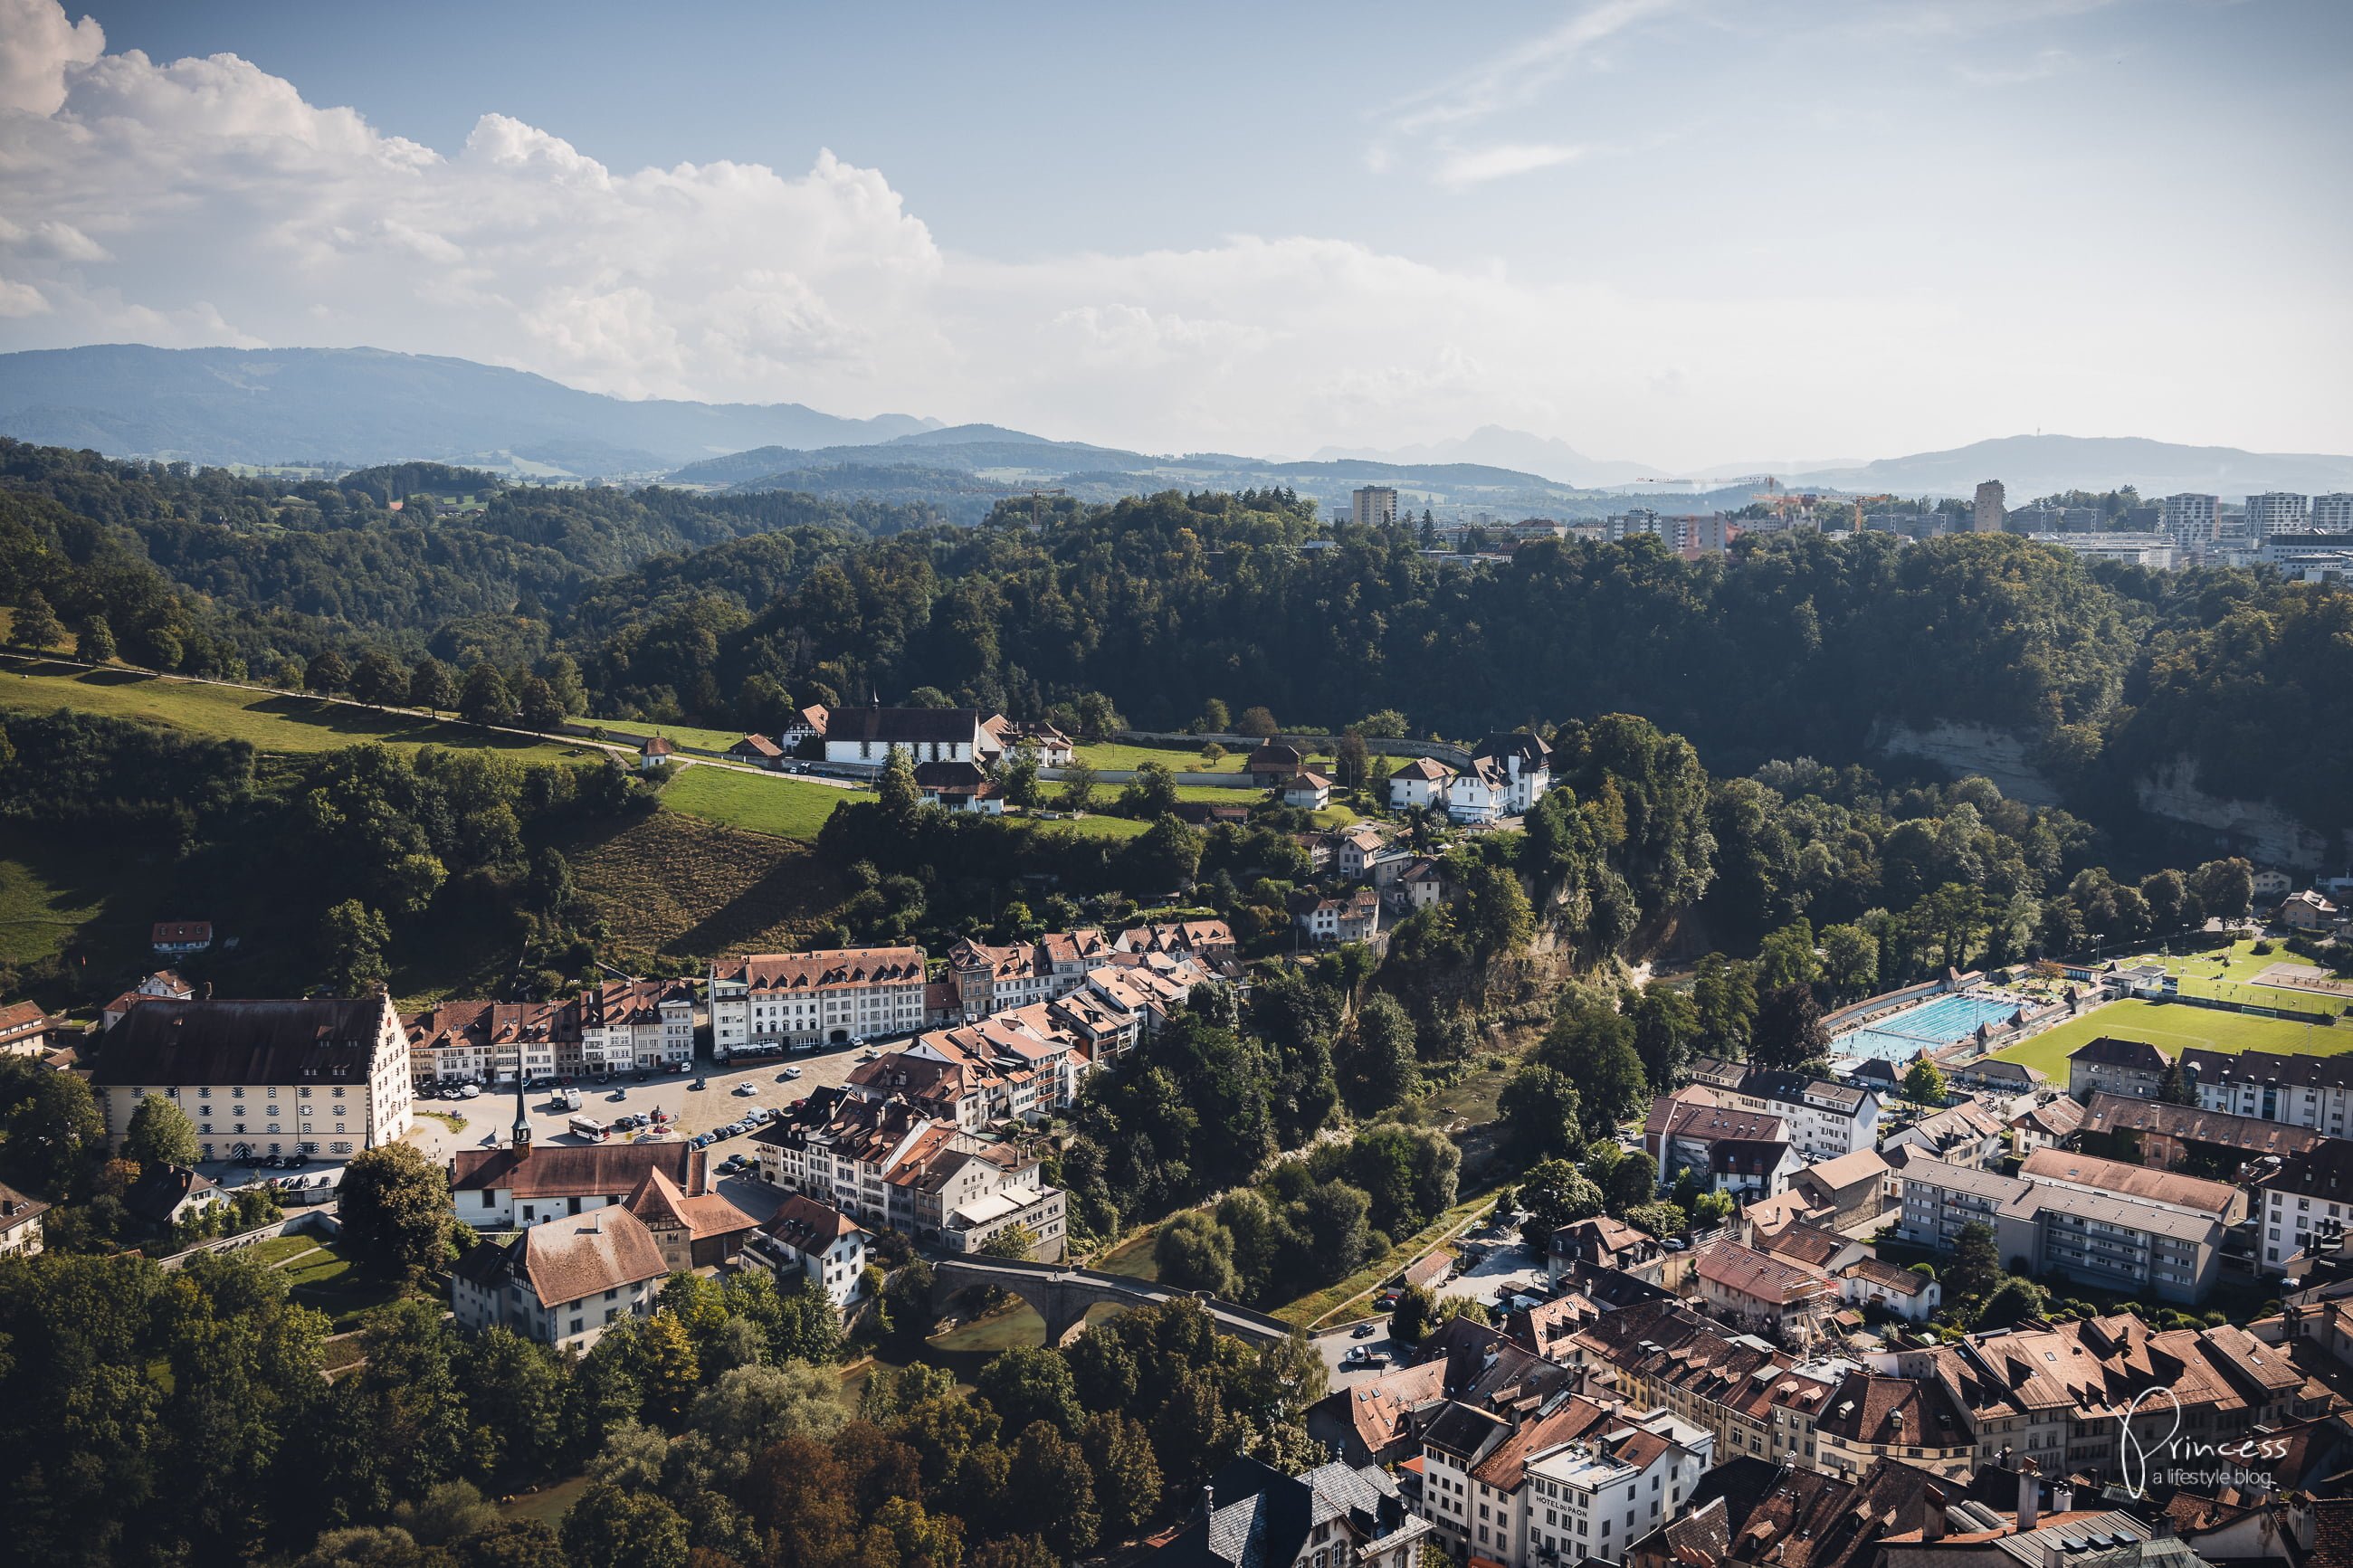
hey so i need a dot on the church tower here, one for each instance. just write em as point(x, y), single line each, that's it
point(521, 1130)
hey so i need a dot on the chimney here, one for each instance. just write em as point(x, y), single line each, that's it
point(1934, 1526)
point(1208, 1500)
point(2030, 1497)
point(208, 991)
point(2063, 1499)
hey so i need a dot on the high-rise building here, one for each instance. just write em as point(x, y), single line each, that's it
point(2333, 513)
point(1377, 507)
point(1986, 516)
point(2276, 511)
point(2191, 519)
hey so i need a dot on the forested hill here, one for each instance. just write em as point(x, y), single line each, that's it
point(715, 608)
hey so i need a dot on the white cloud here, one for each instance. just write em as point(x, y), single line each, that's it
point(1519, 73)
point(206, 202)
point(38, 47)
point(1475, 165)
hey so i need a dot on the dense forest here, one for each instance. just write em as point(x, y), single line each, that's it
point(697, 607)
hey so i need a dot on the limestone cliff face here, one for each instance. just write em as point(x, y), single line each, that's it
point(2261, 831)
point(2001, 755)
point(2270, 835)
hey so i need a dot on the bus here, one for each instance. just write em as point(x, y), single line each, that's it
point(591, 1129)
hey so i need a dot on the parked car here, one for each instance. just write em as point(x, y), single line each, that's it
point(469, 1091)
point(1361, 1331)
point(746, 1088)
point(788, 1075)
point(698, 1083)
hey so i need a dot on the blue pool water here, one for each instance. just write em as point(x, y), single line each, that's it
point(1938, 1022)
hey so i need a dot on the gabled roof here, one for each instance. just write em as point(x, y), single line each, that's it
point(758, 746)
point(1761, 1276)
point(16, 1208)
point(659, 1202)
point(2129, 1180)
point(2251, 1135)
point(1862, 1165)
point(163, 1041)
point(903, 726)
point(821, 968)
point(587, 1253)
point(565, 1170)
point(807, 1225)
point(2059, 1118)
point(2110, 1051)
point(1426, 769)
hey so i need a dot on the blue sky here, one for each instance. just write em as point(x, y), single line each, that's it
point(1694, 232)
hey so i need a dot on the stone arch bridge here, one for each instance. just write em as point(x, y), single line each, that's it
point(1061, 1295)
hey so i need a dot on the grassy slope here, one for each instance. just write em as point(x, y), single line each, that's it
point(674, 887)
point(786, 807)
point(272, 722)
point(636, 730)
point(2172, 1028)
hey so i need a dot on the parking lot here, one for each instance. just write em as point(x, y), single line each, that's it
point(771, 1083)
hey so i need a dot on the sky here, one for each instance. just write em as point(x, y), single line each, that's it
point(1683, 232)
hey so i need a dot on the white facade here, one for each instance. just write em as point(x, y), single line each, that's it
point(2155, 550)
point(328, 1100)
point(2333, 513)
point(1588, 1499)
point(2276, 512)
point(2190, 519)
point(642, 1026)
point(831, 997)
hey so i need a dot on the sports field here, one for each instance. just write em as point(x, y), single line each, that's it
point(1107, 757)
point(2173, 1028)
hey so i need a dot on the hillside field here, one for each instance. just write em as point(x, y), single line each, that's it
point(757, 802)
point(272, 720)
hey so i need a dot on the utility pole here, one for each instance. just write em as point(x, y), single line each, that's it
point(1036, 497)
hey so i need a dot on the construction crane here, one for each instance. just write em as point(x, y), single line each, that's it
point(1035, 498)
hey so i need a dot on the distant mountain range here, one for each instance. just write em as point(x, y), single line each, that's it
point(357, 406)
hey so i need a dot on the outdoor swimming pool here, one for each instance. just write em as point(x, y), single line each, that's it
point(1937, 1022)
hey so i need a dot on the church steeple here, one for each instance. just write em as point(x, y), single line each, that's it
point(521, 1129)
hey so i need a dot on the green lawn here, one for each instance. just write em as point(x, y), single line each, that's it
point(632, 731)
point(757, 802)
point(1353, 1297)
point(1094, 824)
point(2232, 978)
point(1220, 794)
point(278, 1248)
point(2172, 1030)
point(326, 1281)
point(271, 721)
point(1108, 757)
point(37, 916)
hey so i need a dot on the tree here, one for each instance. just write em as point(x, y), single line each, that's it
point(1501, 919)
point(1924, 1083)
point(612, 1528)
point(1212, 754)
point(378, 680)
point(49, 1126)
point(1196, 1253)
point(1378, 1067)
point(2173, 1088)
point(1078, 785)
point(37, 625)
point(540, 707)
point(485, 700)
point(355, 937)
point(1850, 960)
point(1789, 958)
point(1257, 724)
point(1127, 1475)
point(324, 674)
point(1789, 1030)
point(1723, 991)
point(1388, 724)
point(1020, 778)
point(431, 685)
point(1540, 1109)
point(1353, 759)
point(1151, 794)
point(1665, 1024)
point(96, 643)
point(1016, 1241)
point(1031, 1383)
point(1661, 1218)
point(159, 1134)
point(896, 790)
point(1554, 1193)
point(1632, 1182)
point(1414, 1314)
point(1053, 1489)
point(1592, 1046)
point(2014, 1302)
point(2224, 888)
point(396, 1210)
point(1215, 718)
point(1976, 1268)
